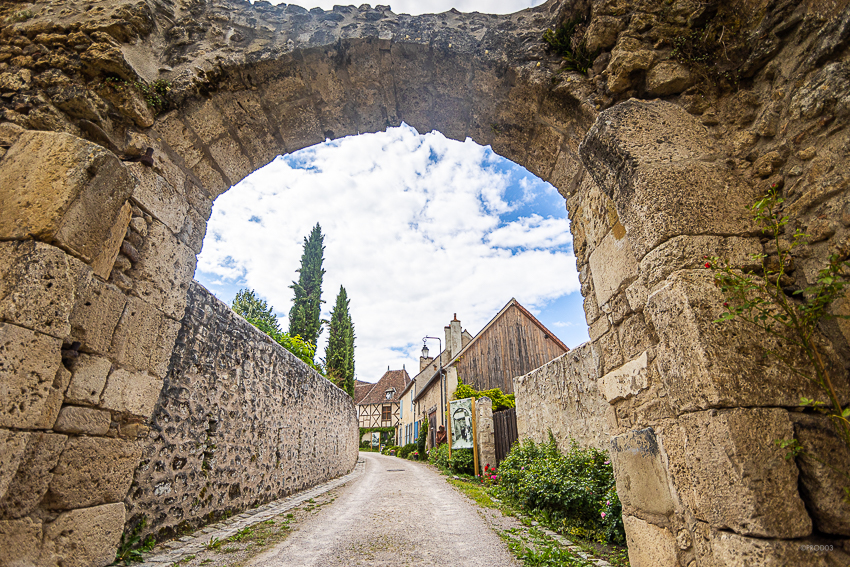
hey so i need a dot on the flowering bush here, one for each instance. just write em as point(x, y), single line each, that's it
point(575, 489)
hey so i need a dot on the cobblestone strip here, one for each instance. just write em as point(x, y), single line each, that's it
point(173, 551)
point(574, 549)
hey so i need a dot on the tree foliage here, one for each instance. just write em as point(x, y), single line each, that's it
point(500, 400)
point(260, 314)
point(339, 356)
point(304, 317)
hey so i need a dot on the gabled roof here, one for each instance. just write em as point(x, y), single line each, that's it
point(361, 390)
point(498, 316)
point(395, 380)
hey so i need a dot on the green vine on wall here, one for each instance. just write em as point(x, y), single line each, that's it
point(154, 93)
point(764, 302)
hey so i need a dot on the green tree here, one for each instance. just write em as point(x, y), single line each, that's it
point(304, 317)
point(259, 313)
point(339, 356)
point(256, 311)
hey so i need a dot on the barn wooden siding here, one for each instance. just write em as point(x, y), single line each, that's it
point(512, 346)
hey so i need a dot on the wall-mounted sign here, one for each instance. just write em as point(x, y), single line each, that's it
point(460, 414)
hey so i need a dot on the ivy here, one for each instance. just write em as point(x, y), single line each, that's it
point(500, 400)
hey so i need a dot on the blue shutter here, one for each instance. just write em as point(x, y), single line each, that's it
point(416, 429)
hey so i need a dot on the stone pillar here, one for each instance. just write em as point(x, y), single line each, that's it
point(485, 438)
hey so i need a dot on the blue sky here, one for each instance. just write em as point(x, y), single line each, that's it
point(417, 228)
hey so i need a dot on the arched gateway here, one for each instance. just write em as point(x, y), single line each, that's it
point(98, 242)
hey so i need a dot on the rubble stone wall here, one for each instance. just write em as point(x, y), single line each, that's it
point(562, 397)
point(658, 148)
point(240, 421)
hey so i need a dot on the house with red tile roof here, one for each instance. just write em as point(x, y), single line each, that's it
point(378, 403)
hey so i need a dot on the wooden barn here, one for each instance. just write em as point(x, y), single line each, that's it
point(512, 344)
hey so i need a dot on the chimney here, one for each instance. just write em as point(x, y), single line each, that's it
point(453, 338)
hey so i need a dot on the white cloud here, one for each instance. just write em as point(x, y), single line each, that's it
point(413, 239)
point(434, 6)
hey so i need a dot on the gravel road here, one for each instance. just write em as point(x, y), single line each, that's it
point(398, 513)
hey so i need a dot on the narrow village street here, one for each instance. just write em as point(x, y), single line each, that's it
point(397, 513)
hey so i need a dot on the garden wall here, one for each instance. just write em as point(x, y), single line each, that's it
point(562, 397)
point(240, 421)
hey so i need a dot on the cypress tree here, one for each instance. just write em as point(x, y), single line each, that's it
point(339, 356)
point(304, 317)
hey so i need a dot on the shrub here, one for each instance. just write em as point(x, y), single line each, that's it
point(462, 461)
point(575, 489)
point(500, 400)
point(389, 448)
point(439, 457)
point(413, 455)
point(421, 440)
point(406, 450)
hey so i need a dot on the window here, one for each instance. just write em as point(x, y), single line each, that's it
point(386, 413)
point(390, 393)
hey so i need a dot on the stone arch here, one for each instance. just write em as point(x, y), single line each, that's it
point(650, 190)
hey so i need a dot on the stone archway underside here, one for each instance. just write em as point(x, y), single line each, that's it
point(98, 254)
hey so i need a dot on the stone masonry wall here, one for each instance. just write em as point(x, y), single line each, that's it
point(240, 421)
point(658, 148)
point(563, 397)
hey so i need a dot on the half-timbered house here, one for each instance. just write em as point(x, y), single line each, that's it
point(378, 406)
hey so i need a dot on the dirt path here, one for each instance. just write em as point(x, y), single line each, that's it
point(398, 513)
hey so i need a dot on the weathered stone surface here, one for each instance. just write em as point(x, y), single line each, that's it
point(602, 33)
point(131, 392)
point(689, 252)
point(649, 545)
point(102, 264)
point(33, 476)
point(562, 397)
point(613, 266)
point(86, 537)
point(87, 379)
point(705, 364)
point(28, 365)
point(733, 550)
point(164, 272)
point(640, 472)
point(68, 191)
point(625, 381)
point(82, 420)
point(143, 338)
point(9, 133)
point(627, 57)
point(158, 197)
point(667, 78)
point(92, 471)
point(20, 541)
point(741, 480)
point(55, 397)
point(36, 287)
point(485, 435)
point(13, 445)
point(96, 312)
point(646, 157)
point(258, 422)
point(821, 486)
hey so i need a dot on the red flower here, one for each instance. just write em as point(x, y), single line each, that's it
point(725, 304)
point(707, 265)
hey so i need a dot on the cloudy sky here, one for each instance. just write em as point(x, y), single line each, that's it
point(417, 228)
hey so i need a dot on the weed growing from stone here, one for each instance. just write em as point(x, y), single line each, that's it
point(568, 41)
point(20, 16)
point(153, 93)
point(790, 315)
point(131, 547)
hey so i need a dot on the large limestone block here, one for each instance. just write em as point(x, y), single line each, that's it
point(92, 471)
point(821, 485)
point(102, 264)
point(166, 268)
point(86, 537)
point(646, 156)
point(33, 476)
point(131, 392)
point(640, 472)
point(612, 266)
point(649, 545)
point(13, 446)
point(66, 191)
point(96, 312)
point(144, 338)
point(689, 252)
point(20, 542)
point(707, 365)
point(731, 474)
point(37, 287)
point(54, 400)
point(87, 379)
point(626, 381)
point(81, 420)
point(159, 198)
point(29, 362)
point(733, 550)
